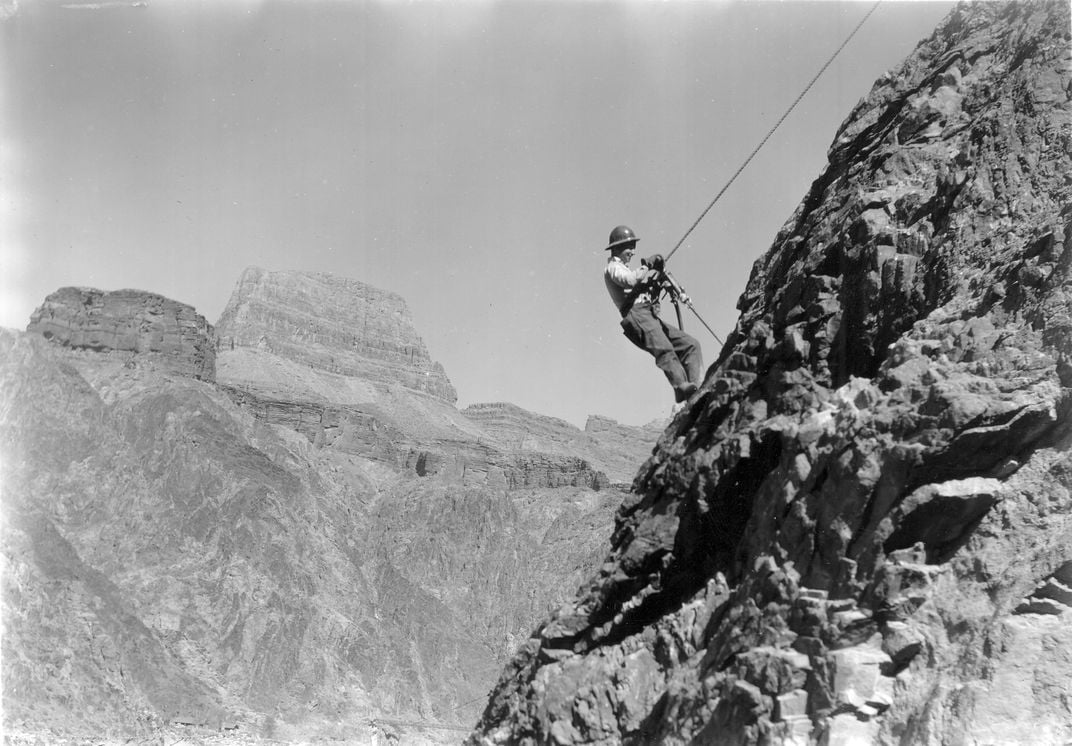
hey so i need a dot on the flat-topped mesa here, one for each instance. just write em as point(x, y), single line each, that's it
point(129, 321)
point(608, 430)
point(333, 324)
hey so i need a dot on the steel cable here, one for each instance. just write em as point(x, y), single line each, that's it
point(775, 127)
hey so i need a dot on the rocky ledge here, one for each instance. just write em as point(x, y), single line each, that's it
point(609, 446)
point(129, 321)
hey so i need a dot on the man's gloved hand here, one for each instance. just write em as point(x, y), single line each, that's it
point(684, 298)
point(655, 261)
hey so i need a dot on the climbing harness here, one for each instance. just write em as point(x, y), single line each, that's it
point(665, 280)
point(775, 127)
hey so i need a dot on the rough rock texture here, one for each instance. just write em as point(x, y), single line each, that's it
point(860, 530)
point(608, 446)
point(290, 552)
point(333, 324)
point(129, 321)
point(616, 443)
point(168, 559)
point(429, 440)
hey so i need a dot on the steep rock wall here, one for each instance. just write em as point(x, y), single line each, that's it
point(332, 323)
point(393, 432)
point(129, 321)
point(291, 551)
point(860, 530)
point(169, 561)
point(340, 362)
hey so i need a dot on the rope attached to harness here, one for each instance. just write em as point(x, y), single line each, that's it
point(772, 129)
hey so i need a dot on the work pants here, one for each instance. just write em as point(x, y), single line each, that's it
point(676, 353)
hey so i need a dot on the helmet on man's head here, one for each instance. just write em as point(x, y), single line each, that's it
point(623, 234)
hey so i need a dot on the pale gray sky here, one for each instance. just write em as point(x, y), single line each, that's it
point(471, 156)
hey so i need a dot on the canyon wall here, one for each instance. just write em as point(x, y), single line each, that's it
point(129, 321)
point(285, 548)
point(332, 324)
point(860, 529)
point(340, 362)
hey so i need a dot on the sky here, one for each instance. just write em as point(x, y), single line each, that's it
point(471, 156)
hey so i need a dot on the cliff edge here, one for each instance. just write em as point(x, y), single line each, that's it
point(860, 530)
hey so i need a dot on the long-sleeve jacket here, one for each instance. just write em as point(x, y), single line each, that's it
point(621, 281)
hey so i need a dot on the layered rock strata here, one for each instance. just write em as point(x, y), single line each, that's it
point(291, 552)
point(130, 321)
point(333, 324)
point(859, 531)
point(171, 561)
point(466, 456)
point(610, 447)
point(287, 366)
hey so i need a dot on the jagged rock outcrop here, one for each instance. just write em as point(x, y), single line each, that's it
point(130, 321)
point(332, 324)
point(859, 531)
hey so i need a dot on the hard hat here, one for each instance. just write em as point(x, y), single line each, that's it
point(621, 234)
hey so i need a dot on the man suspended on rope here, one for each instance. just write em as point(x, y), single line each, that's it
point(635, 293)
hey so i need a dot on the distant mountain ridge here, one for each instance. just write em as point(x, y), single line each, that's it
point(358, 378)
point(280, 528)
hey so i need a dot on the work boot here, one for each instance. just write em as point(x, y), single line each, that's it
point(684, 391)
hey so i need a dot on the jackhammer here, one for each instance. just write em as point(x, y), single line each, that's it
point(664, 282)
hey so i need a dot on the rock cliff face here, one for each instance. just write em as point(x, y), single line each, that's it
point(129, 321)
point(290, 551)
point(610, 447)
point(860, 529)
point(170, 560)
point(332, 324)
point(340, 362)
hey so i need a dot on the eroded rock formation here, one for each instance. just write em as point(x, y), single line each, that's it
point(332, 324)
point(340, 362)
point(610, 447)
point(170, 560)
point(291, 551)
point(860, 530)
point(130, 321)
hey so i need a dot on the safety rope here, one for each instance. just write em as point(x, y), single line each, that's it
point(772, 129)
